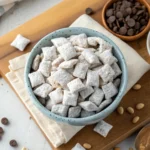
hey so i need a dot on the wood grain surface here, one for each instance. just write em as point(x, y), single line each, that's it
point(60, 16)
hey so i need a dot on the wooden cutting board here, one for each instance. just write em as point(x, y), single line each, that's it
point(62, 15)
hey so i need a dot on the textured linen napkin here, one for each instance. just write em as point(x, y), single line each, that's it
point(60, 133)
point(5, 5)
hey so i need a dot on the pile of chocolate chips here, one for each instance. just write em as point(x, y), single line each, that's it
point(127, 17)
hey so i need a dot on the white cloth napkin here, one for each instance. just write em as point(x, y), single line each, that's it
point(60, 133)
point(5, 5)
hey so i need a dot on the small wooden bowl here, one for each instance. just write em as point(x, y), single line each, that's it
point(126, 38)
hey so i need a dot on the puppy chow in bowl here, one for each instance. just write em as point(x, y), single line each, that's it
point(76, 77)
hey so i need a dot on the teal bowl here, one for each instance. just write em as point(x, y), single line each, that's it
point(66, 32)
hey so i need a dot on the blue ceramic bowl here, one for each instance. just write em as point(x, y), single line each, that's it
point(66, 32)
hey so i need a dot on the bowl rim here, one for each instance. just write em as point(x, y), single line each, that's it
point(78, 121)
point(126, 38)
point(148, 42)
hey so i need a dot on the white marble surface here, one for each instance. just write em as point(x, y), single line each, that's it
point(21, 127)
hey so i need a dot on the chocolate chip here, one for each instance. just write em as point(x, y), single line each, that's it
point(119, 14)
point(129, 11)
point(109, 12)
point(110, 25)
point(134, 10)
point(128, 17)
point(1, 130)
point(112, 19)
point(115, 29)
point(131, 22)
point(89, 11)
point(122, 30)
point(139, 12)
point(4, 121)
point(13, 143)
point(135, 17)
point(130, 32)
point(143, 21)
point(137, 25)
point(137, 4)
point(117, 22)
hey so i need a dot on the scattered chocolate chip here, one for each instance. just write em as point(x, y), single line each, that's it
point(131, 22)
point(89, 11)
point(122, 30)
point(13, 143)
point(1, 130)
point(130, 32)
point(4, 121)
point(109, 12)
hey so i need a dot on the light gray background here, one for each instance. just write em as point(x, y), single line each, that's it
point(22, 128)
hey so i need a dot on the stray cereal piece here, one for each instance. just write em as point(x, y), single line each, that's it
point(106, 73)
point(130, 110)
point(80, 70)
point(109, 90)
point(85, 113)
point(62, 77)
point(56, 96)
point(104, 104)
point(76, 85)
point(49, 53)
point(45, 68)
point(116, 82)
point(116, 69)
point(103, 45)
point(107, 57)
point(79, 40)
point(103, 128)
point(36, 62)
point(52, 82)
point(97, 96)
point(59, 41)
point(90, 57)
point(92, 78)
point(74, 112)
point(67, 51)
point(140, 106)
point(68, 64)
point(24, 148)
point(43, 90)
point(78, 147)
point(69, 98)
point(57, 61)
point(20, 42)
point(36, 78)
point(86, 92)
point(88, 106)
point(60, 109)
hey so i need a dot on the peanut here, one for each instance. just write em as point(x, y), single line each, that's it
point(140, 106)
point(130, 110)
point(135, 119)
point(87, 146)
point(24, 148)
point(137, 87)
point(120, 110)
point(117, 148)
